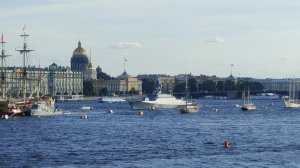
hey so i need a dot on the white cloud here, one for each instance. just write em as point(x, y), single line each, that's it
point(126, 45)
point(216, 40)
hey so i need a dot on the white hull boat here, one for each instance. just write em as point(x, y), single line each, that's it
point(44, 107)
point(163, 101)
point(291, 104)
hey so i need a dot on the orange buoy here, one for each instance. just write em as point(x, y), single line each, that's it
point(226, 144)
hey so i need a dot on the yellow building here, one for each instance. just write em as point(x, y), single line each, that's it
point(120, 85)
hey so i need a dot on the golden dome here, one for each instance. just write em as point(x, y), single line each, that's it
point(79, 51)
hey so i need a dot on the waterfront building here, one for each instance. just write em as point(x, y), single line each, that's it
point(36, 83)
point(64, 82)
point(122, 84)
point(278, 85)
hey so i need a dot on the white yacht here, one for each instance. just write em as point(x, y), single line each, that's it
point(163, 101)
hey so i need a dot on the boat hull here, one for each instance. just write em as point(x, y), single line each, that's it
point(248, 107)
point(291, 104)
point(190, 108)
point(152, 106)
point(45, 107)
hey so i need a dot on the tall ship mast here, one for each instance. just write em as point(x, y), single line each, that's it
point(24, 51)
point(3, 69)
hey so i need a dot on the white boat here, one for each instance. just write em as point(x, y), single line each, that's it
point(163, 101)
point(111, 99)
point(248, 105)
point(87, 108)
point(44, 107)
point(189, 107)
point(291, 102)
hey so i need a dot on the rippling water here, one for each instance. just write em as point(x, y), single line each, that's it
point(267, 137)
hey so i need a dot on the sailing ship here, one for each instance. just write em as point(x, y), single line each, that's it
point(7, 108)
point(291, 102)
point(248, 105)
point(189, 107)
point(43, 106)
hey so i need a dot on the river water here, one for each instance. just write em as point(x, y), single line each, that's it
point(266, 137)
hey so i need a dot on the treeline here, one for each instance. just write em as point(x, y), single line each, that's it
point(208, 86)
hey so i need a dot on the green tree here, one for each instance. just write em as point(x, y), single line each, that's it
point(132, 91)
point(229, 85)
point(179, 88)
point(101, 74)
point(148, 86)
point(192, 85)
point(208, 85)
point(220, 86)
point(103, 92)
point(88, 88)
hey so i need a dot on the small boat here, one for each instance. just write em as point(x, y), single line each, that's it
point(87, 108)
point(111, 99)
point(290, 101)
point(45, 106)
point(110, 111)
point(10, 109)
point(84, 116)
point(189, 107)
point(248, 105)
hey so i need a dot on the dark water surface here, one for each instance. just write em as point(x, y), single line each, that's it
point(267, 137)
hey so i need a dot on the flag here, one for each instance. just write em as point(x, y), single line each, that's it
point(2, 38)
point(125, 59)
point(23, 29)
point(232, 65)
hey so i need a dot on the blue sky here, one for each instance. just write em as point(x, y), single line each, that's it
point(260, 37)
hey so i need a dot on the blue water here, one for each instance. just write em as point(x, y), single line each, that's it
point(267, 137)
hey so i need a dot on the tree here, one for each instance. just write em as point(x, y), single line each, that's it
point(220, 86)
point(148, 86)
point(208, 85)
point(192, 85)
point(101, 74)
point(179, 88)
point(103, 92)
point(88, 88)
point(132, 91)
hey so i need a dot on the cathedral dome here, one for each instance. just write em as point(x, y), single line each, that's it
point(79, 51)
point(79, 60)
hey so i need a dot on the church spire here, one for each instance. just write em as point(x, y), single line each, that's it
point(79, 44)
point(90, 60)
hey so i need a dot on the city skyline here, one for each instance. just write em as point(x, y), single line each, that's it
point(259, 38)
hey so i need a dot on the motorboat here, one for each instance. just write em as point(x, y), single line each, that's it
point(87, 108)
point(163, 101)
point(111, 99)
